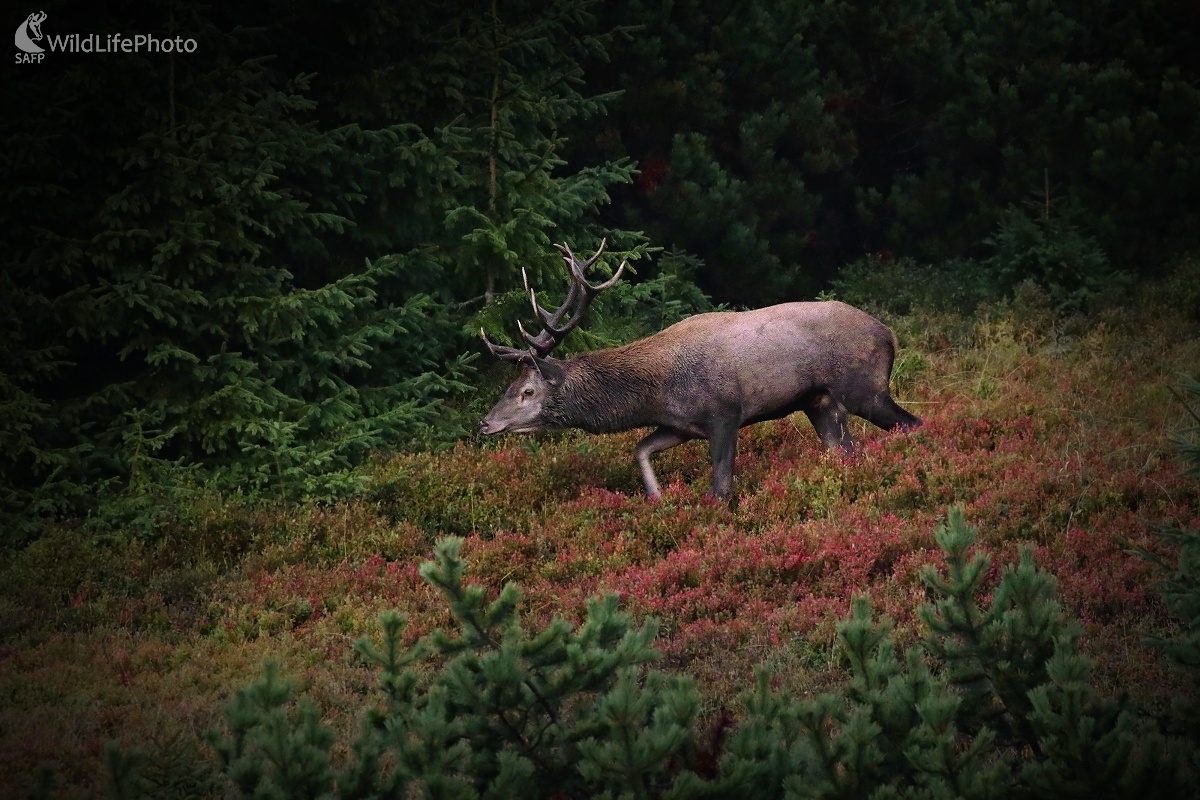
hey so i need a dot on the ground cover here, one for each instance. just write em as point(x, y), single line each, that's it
point(1046, 432)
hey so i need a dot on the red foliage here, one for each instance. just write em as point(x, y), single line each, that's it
point(650, 173)
point(1065, 454)
point(813, 528)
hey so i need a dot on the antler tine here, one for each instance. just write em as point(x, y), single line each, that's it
point(505, 353)
point(579, 271)
point(567, 255)
point(538, 310)
point(595, 256)
point(547, 318)
point(551, 333)
point(610, 281)
point(554, 329)
point(541, 344)
point(585, 266)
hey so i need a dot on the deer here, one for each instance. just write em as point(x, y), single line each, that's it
point(705, 377)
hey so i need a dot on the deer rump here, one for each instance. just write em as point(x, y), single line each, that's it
point(705, 377)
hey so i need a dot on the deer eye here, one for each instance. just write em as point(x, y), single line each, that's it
point(528, 392)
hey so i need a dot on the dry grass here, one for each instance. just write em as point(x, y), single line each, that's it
point(1048, 433)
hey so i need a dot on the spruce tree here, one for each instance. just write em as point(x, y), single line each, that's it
point(225, 271)
point(485, 710)
point(785, 139)
point(726, 110)
point(521, 86)
point(165, 322)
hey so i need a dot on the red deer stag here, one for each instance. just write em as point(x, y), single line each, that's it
point(702, 378)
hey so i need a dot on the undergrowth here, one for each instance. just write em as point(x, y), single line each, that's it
point(1051, 434)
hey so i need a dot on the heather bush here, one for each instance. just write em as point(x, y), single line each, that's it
point(488, 709)
point(994, 700)
point(1180, 581)
point(1046, 430)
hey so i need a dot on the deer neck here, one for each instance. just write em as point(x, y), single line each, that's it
point(602, 393)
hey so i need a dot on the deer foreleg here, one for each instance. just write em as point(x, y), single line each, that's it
point(661, 439)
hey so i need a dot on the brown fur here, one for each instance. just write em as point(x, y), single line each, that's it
point(711, 374)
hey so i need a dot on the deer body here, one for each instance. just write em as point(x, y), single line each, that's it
point(710, 375)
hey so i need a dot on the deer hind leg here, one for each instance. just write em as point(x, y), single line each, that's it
point(883, 412)
point(661, 439)
point(866, 395)
point(828, 417)
point(877, 407)
point(722, 450)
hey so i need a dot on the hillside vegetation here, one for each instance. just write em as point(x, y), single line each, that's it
point(1050, 432)
point(256, 264)
point(241, 291)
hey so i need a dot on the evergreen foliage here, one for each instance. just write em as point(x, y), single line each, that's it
point(166, 328)
point(994, 701)
point(563, 712)
point(1180, 585)
point(781, 140)
point(223, 272)
point(620, 314)
point(1050, 252)
point(884, 283)
point(522, 77)
point(1181, 590)
point(244, 268)
point(1030, 248)
point(737, 174)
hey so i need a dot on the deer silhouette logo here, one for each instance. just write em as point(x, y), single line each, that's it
point(30, 33)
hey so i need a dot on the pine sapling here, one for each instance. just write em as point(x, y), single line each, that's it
point(510, 713)
point(273, 750)
point(1090, 746)
point(1180, 587)
point(1018, 664)
point(993, 655)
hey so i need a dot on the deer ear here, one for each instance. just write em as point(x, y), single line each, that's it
point(549, 369)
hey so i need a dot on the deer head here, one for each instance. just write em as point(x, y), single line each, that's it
point(521, 408)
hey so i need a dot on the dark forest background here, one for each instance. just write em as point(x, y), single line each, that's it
point(244, 269)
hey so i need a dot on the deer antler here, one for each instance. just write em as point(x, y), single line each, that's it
point(554, 330)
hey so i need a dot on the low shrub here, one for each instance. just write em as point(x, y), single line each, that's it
point(1038, 249)
point(995, 700)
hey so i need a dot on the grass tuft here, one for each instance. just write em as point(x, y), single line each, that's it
point(1048, 432)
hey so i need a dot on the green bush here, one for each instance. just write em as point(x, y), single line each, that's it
point(486, 710)
point(1180, 290)
point(1180, 585)
point(1051, 252)
point(993, 701)
point(1024, 250)
point(883, 283)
